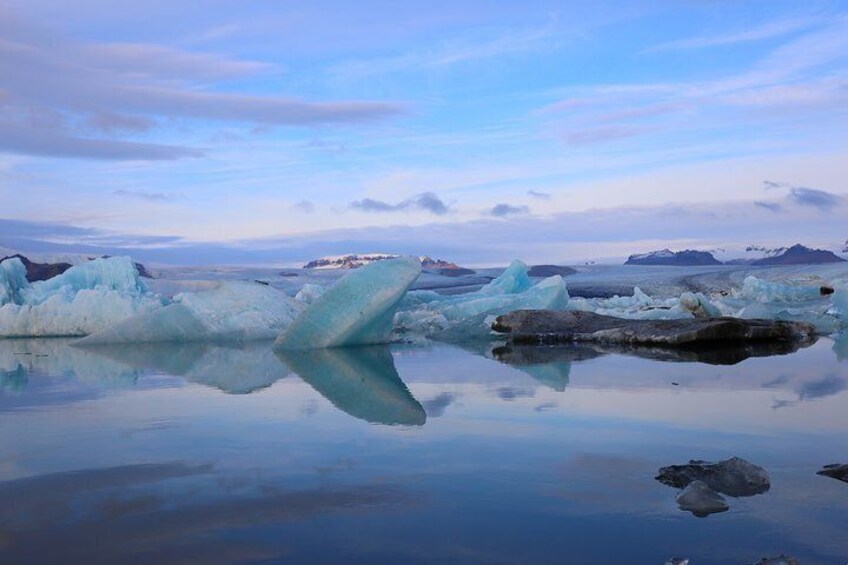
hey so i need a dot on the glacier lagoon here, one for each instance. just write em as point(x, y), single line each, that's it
point(230, 453)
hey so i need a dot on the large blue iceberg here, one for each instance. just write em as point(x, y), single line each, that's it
point(234, 311)
point(357, 310)
point(84, 299)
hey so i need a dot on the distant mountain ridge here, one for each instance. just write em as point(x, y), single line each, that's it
point(757, 255)
point(685, 258)
point(354, 260)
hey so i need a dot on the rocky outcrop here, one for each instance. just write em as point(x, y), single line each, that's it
point(685, 258)
point(550, 271)
point(800, 255)
point(40, 271)
point(733, 477)
point(835, 471)
point(545, 326)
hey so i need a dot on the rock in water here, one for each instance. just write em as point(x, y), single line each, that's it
point(545, 326)
point(550, 271)
point(733, 477)
point(701, 500)
point(356, 310)
point(835, 471)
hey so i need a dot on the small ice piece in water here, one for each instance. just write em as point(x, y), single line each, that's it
point(234, 311)
point(701, 500)
point(357, 310)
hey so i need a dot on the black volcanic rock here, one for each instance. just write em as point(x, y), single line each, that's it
point(550, 271)
point(733, 477)
point(40, 271)
point(800, 255)
point(685, 258)
point(835, 471)
point(548, 326)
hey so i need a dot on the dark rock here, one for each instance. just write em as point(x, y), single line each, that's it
point(451, 271)
point(264, 283)
point(40, 271)
point(800, 255)
point(826, 290)
point(550, 271)
point(779, 560)
point(835, 471)
point(701, 500)
point(288, 274)
point(546, 326)
point(685, 258)
point(733, 477)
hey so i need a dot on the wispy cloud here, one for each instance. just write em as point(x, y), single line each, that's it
point(427, 202)
point(146, 195)
point(803, 196)
point(539, 194)
point(305, 206)
point(768, 30)
point(772, 206)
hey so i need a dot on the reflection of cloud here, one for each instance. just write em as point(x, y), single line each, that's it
point(511, 392)
point(435, 407)
point(827, 386)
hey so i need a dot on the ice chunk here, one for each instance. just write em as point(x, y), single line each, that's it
point(309, 293)
point(640, 306)
point(12, 281)
point(469, 316)
point(82, 300)
point(357, 310)
point(759, 290)
point(361, 381)
point(234, 311)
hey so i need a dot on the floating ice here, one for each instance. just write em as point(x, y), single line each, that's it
point(640, 306)
point(309, 293)
point(234, 311)
point(84, 299)
point(759, 290)
point(357, 310)
point(468, 316)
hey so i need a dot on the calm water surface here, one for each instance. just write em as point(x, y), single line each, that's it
point(402, 454)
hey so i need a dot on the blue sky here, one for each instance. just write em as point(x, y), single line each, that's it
point(557, 131)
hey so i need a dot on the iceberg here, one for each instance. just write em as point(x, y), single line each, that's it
point(357, 310)
point(82, 300)
point(309, 293)
point(468, 316)
point(234, 311)
point(763, 291)
point(640, 306)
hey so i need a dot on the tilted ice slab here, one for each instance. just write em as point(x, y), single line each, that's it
point(468, 316)
point(234, 311)
point(84, 299)
point(357, 310)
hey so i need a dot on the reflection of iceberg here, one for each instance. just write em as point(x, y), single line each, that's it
point(235, 368)
point(356, 310)
point(552, 371)
point(233, 311)
point(84, 299)
point(466, 316)
point(361, 381)
point(840, 346)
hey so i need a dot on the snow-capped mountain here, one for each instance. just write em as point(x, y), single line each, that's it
point(354, 260)
point(687, 257)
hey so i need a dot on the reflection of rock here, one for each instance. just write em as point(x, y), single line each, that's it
point(701, 500)
point(549, 365)
point(677, 561)
point(361, 381)
point(779, 560)
point(234, 368)
point(835, 471)
point(734, 476)
point(715, 354)
point(547, 326)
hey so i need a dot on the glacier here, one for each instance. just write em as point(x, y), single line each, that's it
point(84, 299)
point(469, 316)
point(357, 310)
point(233, 311)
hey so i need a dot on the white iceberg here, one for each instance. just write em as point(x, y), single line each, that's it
point(763, 291)
point(84, 299)
point(640, 306)
point(234, 311)
point(357, 310)
point(468, 316)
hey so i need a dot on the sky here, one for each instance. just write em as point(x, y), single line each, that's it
point(200, 132)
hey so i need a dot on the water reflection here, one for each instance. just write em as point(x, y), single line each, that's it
point(361, 381)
